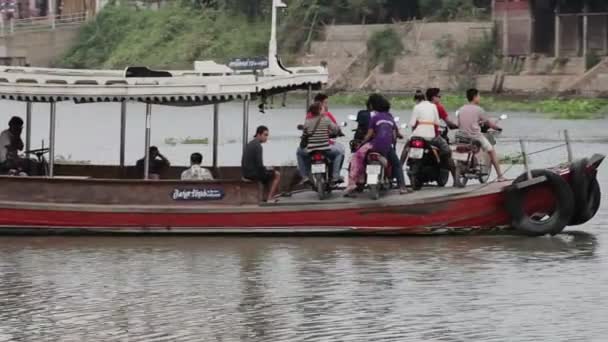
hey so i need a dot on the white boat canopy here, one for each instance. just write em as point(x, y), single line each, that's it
point(178, 88)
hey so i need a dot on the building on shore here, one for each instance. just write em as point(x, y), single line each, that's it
point(556, 28)
point(24, 9)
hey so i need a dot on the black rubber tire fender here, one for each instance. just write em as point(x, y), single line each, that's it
point(556, 222)
point(586, 190)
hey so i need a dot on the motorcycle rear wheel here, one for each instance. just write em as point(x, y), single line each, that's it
point(444, 176)
point(320, 187)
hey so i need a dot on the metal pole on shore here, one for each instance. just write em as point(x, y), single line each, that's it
point(216, 116)
point(568, 146)
point(524, 156)
point(245, 122)
point(147, 155)
point(52, 139)
point(28, 126)
point(123, 131)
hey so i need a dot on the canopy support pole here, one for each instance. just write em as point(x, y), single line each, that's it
point(52, 139)
point(308, 97)
point(216, 115)
point(123, 131)
point(28, 126)
point(568, 146)
point(245, 122)
point(524, 156)
point(147, 152)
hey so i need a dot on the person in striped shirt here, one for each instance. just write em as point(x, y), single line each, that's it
point(319, 129)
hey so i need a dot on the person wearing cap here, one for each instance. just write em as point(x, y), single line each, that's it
point(11, 144)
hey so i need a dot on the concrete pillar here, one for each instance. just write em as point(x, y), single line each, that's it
point(558, 34)
point(505, 33)
point(605, 35)
point(585, 34)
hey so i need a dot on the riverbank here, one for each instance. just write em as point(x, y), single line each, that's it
point(173, 37)
point(557, 108)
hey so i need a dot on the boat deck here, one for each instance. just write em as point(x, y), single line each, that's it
point(309, 197)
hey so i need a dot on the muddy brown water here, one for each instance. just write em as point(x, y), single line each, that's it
point(465, 288)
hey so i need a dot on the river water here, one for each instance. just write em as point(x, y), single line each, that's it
point(477, 288)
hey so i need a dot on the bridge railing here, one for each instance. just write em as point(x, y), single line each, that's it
point(38, 24)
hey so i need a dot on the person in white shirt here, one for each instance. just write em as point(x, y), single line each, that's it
point(425, 122)
point(424, 118)
point(196, 172)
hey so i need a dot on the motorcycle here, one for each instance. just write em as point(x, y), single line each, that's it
point(378, 170)
point(470, 163)
point(378, 174)
point(321, 170)
point(424, 164)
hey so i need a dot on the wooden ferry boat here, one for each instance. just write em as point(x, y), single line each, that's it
point(95, 198)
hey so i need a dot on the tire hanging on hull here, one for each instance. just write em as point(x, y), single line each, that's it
point(556, 221)
point(586, 190)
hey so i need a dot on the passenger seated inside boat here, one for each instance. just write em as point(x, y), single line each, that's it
point(196, 171)
point(252, 163)
point(10, 145)
point(158, 163)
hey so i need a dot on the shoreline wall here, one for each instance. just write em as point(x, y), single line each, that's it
point(41, 48)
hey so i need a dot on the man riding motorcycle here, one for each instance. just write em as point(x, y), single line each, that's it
point(469, 119)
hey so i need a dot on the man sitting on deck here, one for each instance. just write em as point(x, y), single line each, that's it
point(158, 163)
point(252, 164)
point(196, 172)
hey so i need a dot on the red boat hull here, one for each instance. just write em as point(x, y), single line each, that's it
point(431, 211)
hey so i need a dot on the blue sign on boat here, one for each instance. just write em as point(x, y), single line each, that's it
point(198, 194)
point(255, 63)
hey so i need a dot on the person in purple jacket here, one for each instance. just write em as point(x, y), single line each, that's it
point(380, 137)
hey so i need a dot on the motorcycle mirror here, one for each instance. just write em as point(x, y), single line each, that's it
point(300, 127)
point(343, 124)
point(504, 117)
point(352, 118)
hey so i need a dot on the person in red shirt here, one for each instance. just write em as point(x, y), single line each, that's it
point(434, 95)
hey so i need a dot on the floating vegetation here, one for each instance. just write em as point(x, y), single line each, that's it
point(171, 141)
point(514, 159)
point(60, 159)
point(568, 109)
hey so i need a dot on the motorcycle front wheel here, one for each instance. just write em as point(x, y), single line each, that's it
point(461, 178)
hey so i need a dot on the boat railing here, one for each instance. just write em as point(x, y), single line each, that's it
point(41, 24)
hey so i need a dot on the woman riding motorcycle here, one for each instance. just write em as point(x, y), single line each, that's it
point(380, 138)
point(319, 129)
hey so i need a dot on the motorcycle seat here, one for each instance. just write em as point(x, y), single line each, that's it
point(374, 156)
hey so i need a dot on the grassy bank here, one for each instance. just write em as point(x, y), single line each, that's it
point(577, 108)
point(171, 38)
